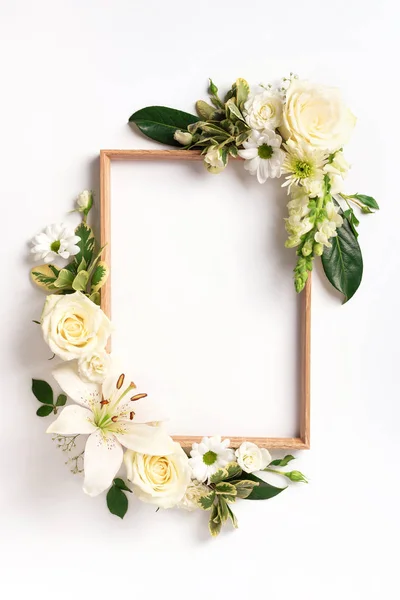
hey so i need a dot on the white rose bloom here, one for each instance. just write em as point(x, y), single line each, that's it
point(213, 160)
point(316, 115)
point(194, 492)
point(264, 110)
point(73, 326)
point(183, 137)
point(84, 202)
point(94, 367)
point(252, 458)
point(159, 480)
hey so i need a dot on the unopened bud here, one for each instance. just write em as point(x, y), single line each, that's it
point(307, 248)
point(318, 249)
point(296, 476)
point(183, 137)
point(84, 202)
point(212, 88)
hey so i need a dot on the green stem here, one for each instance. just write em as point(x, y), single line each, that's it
point(275, 471)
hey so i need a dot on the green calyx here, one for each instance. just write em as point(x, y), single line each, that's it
point(55, 246)
point(265, 151)
point(209, 458)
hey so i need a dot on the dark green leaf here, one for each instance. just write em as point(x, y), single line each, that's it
point(117, 502)
point(44, 410)
point(352, 219)
point(160, 123)
point(343, 264)
point(214, 523)
point(264, 490)
point(61, 400)
point(86, 244)
point(225, 488)
point(42, 391)
point(37, 322)
point(366, 200)
point(281, 462)
point(244, 488)
point(206, 502)
point(120, 483)
point(233, 470)
point(219, 475)
point(223, 512)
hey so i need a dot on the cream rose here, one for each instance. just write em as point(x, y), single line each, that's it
point(316, 115)
point(73, 326)
point(264, 110)
point(159, 480)
point(252, 458)
point(94, 367)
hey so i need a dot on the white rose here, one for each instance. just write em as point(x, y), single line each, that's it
point(94, 367)
point(316, 115)
point(84, 201)
point(213, 160)
point(73, 326)
point(194, 492)
point(183, 137)
point(264, 110)
point(252, 458)
point(159, 480)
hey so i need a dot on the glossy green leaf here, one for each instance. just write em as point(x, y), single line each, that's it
point(264, 490)
point(117, 502)
point(343, 263)
point(120, 483)
point(160, 123)
point(61, 400)
point(42, 391)
point(366, 200)
point(86, 244)
point(281, 462)
point(44, 411)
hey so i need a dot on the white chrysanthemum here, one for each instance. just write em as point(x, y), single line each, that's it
point(327, 229)
point(55, 240)
point(194, 492)
point(209, 456)
point(304, 166)
point(263, 155)
point(264, 111)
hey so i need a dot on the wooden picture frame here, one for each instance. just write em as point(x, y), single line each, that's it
point(296, 443)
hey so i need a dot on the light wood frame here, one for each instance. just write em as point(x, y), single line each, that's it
point(106, 157)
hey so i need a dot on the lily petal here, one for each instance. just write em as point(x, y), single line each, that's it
point(67, 377)
point(145, 439)
point(103, 458)
point(73, 420)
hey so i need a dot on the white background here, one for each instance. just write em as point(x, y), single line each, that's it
point(72, 73)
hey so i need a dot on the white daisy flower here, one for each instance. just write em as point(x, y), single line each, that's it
point(304, 166)
point(263, 155)
point(55, 240)
point(209, 456)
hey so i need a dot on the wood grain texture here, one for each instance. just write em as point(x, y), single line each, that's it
point(297, 443)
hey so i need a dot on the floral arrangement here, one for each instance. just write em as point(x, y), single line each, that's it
point(108, 426)
point(297, 130)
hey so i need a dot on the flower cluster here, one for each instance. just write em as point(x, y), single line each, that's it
point(122, 428)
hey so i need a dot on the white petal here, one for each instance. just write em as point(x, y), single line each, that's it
point(73, 420)
point(145, 439)
point(248, 153)
point(84, 393)
point(103, 458)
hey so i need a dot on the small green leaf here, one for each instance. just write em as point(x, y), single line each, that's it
point(281, 462)
point(42, 391)
point(117, 502)
point(205, 110)
point(233, 518)
point(95, 297)
point(242, 92)
point(86, 244)
point(207, 501)
point(160, 123)
point(225, 488)
point(214, 524)
point(37, 322)
point(244, 488)
point(80, 282)
point(352, 219)
point(222, 510)
point(219, 475)
point(44, 410)
point(233, 109)
point(120, 483)
point(99, 277)
point(343, 263)
point(366, 200)
point(61, 400)
point(44, 277)
point(82, 265)
point(64, 279)
point(233, 470)
point(264, 491)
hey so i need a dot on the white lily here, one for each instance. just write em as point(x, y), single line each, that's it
point(113, 416)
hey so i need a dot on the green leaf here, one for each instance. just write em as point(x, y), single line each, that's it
point(61, 400)
point(245, 487)
point(120, 483)
point(207, 501)
point(225, 488)
point(233, 518)
point(44, 277)
point(366, 200)
point(214, 524)
point(343, 264)
point(205, 110)
point(222, 510)
point(233, 109)
point(37, 322)
point(242, 92)
point(117, 502)
point(160, 123)
point(281, 462)
point(86, 244)
point(64, 279)
point(100, 275)
point(44, 410)
point(233, 470)
point(80, 282)
point(263, 491)
point(42, 391)
point(95, 297)
point(219, 475)
point(82, 265)
point(352, 219)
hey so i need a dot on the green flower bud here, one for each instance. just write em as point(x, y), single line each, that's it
point(212, 88)
point(296, 476)
point(318, 249)
point(307, 248)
